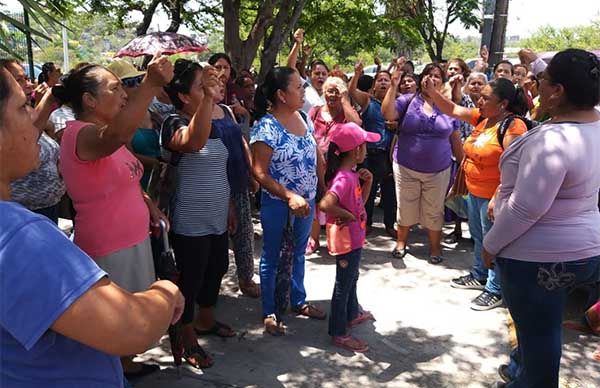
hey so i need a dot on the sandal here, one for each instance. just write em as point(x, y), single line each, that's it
point(362, 316)
point(311, 246)
point(435, 260)
point(596, 355)
point(581, 326)
point(350, 343)
point(219, 329)
point(399, 253)
point(198, 358)
point(311, 311)
point(273, 327)
point(249, 288)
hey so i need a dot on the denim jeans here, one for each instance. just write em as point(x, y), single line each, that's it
point(273, 217)
point(344, 302)
point(479, 225)
point(536, 295)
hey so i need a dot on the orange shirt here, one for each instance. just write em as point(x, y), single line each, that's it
point(482, 155)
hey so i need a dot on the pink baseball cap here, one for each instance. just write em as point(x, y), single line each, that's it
point(348, 136)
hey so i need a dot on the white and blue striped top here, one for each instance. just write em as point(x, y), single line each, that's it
point(202, 192)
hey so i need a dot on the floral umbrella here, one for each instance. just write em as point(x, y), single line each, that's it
point(168, 43)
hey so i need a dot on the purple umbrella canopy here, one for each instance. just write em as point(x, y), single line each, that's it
point(168, 43)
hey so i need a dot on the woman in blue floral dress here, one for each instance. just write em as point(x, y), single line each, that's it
point(285, 164)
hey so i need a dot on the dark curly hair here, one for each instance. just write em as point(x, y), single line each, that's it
point(578, 71)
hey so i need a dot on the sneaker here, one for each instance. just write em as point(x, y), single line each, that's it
point(468, 282)
point(486, 301)
point(503, 373)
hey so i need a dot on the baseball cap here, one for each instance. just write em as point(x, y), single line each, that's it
point(123, 69)
point(348, 136)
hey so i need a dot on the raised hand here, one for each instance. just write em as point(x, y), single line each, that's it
point(160, 71)
point(359, 68)
point(377, 60)
point(456, 79)
point(210, 81)
point(527, 56)
point(299, 36)
point(484, 53)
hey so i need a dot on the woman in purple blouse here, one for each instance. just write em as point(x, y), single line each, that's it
point(546, 232)
point(426, 141)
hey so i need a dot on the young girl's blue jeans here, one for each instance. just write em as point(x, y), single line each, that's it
point(344, 302)
point(273, 217)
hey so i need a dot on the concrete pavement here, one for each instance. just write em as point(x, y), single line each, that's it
point(425, 334)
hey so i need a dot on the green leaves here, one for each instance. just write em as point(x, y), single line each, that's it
point(45, 15)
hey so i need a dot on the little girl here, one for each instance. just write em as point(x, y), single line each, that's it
point(343, 204)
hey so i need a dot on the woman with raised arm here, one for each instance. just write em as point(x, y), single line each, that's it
point(377, 160)
point(337, 110)
point(426, 140)
point(212, 170)
point(102, 176)
point(493, 133)
point(76, 320)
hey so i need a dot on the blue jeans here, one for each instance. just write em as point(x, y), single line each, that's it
point(536, 295)
point(344, 302)
point(479, 225)
point(273, 217)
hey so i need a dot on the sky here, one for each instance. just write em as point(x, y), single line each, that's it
point(524, 16)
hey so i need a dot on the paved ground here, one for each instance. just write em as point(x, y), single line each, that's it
point(425, 334)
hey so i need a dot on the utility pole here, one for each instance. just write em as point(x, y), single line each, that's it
point(488, 21)
point(498, 32)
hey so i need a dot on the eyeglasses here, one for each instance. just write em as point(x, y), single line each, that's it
point(132, 82)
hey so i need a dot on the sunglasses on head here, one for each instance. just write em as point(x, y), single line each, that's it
point(132, 82)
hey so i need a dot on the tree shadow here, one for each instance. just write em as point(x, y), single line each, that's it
point(305, 356)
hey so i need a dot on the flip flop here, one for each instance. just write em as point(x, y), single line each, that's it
point(311, 311)
point(206, 360)
point(273, 327)
point(399, 253)
point(346, 342)
point(362, 316)
point(217, 330)
point(435, 260)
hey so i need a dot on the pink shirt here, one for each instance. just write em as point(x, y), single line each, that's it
point(106, 193)
point(342, 239)
point(323, 128)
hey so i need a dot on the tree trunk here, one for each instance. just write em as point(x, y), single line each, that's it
point(142, 28)
point(242, 53)
point(283, 24)
point(175, 11)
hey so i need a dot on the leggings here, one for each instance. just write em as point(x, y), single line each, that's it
point(202, 261)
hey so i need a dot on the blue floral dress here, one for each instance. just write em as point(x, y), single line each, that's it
point(294, 161)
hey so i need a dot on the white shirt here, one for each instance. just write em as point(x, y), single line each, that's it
point(60, 116)
point(311, 98)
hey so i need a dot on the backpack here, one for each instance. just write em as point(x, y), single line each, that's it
point(507, 122)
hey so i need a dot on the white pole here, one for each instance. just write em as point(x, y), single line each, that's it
point(66, 64)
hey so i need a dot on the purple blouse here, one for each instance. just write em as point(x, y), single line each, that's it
point(423, 141)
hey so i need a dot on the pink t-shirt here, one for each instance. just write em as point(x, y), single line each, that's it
point(106, 193)
point(344, 238)
point(323, 127)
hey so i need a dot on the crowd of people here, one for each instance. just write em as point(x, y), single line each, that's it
point(191, 150)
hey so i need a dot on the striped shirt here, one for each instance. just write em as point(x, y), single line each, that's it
point(202, 191)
